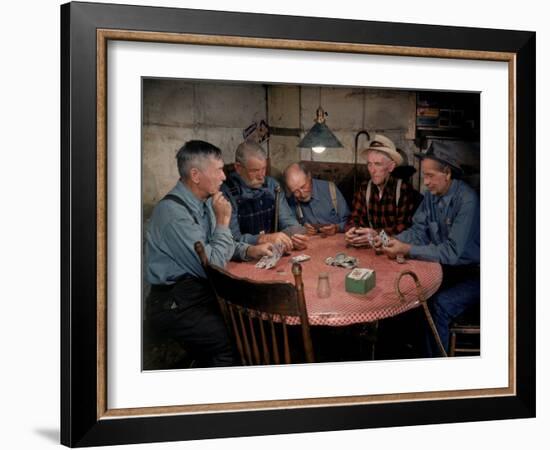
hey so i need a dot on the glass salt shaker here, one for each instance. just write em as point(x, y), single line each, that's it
point(323, 286)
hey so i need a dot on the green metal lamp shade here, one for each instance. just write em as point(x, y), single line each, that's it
point(320, 136)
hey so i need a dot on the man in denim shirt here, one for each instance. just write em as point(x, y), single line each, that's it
point(252, 195)
point(319, 205)
point(445, 229)
point(181, 303)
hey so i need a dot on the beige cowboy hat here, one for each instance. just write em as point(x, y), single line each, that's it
point(383, 144)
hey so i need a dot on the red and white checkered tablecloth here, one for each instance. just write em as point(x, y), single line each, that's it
point(343, 308)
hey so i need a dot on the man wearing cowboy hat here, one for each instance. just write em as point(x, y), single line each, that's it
point(384, 202)
point(445, 229)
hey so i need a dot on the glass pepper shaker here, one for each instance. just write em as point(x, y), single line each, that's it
point(323, 286)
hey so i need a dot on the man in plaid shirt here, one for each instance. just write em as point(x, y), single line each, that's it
point(391, 201)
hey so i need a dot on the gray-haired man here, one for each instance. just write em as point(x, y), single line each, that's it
point(318, 204)
point(253, 197)
point(181, 303)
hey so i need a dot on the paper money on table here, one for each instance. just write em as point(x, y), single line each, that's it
point(342, 260)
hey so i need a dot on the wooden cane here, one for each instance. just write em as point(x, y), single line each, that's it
point(422, 300)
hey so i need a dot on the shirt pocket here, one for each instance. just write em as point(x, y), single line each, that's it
point(434, 231)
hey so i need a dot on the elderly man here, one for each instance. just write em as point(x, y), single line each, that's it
point(181, 303)
point(252, 195)
point(319, 205)
point(445, 229)
point(384, 202)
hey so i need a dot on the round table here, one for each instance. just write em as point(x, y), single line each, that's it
point(343, 308)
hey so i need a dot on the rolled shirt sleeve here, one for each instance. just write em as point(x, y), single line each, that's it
point(241, 250)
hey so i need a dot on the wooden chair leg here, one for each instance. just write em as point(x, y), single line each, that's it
point(453, 344)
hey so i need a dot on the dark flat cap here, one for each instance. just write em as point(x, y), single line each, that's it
point(444, 152)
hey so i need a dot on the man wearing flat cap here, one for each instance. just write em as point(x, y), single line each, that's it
point(445, 229)
point(384, 202)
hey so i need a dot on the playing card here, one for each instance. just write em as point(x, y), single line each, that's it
point(370, 238)
point(384, 238)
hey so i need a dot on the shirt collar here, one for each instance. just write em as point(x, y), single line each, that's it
point(315, 189)
point(196, 204)
point(388, 187)
point(238, 179)
point(447, 197)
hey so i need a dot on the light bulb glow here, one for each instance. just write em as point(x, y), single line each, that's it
point(318, 149)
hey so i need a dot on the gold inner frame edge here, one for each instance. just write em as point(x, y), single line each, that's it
point(103, 36)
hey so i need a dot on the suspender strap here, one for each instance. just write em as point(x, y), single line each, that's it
point(276, 214)
point(332, 190)
point(398, 191)
point(179, 201)
point(397, 196)
point(367, 201)
point(333, 198)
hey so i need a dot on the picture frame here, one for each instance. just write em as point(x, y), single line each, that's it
point(86, 418)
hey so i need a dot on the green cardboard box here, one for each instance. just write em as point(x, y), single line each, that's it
point(360, 281)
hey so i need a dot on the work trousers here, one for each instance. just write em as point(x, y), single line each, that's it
point(189, 313)
point(458, 292)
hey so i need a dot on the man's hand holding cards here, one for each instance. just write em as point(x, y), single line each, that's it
point(360, 237)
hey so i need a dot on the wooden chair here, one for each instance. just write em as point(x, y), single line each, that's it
point(467, 324)
point(257, 313)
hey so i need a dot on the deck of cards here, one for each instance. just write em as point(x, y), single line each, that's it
point(268, 262)
point(384, 238)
